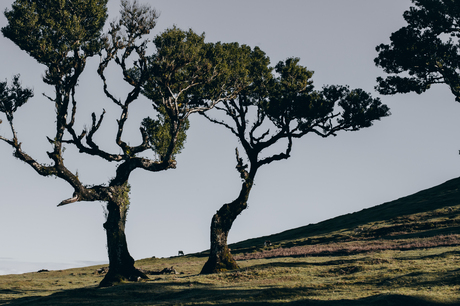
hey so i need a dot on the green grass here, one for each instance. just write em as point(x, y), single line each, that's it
point(405, 252)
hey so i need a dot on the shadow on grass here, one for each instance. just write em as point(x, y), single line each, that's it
point(362, 260)
point(419, 280)
point(9, 291)
point(335, 262)
point(433, 256)
point(378, 300)
point(196, 293)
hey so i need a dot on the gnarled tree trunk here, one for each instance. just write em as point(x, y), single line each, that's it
point(121, 267)
point(220, 259)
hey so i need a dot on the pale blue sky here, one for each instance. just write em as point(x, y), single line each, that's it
point(415, 148)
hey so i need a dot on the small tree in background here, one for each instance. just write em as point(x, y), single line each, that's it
point(424, 52)
point(271, 113)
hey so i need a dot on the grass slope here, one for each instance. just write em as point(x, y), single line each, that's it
point(433, 199)
point(405, 252)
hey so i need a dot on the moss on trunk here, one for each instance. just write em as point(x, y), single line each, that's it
point(121, 267)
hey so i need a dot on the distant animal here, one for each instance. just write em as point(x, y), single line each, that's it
point(267, 243)
point(450, 209)
point(358, 230)
point(181, 253)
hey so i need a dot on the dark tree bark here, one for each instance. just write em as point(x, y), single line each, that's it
point(64, 46)
point(220, 259)
point(121, 267)
point(285, 107)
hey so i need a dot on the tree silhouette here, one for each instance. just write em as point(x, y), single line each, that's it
point(424, 52)
point(268, 115)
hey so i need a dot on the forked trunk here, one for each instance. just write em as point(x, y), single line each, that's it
point(121, 264)
point(220, 259)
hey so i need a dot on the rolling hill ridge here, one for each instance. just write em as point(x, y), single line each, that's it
point(430, 212)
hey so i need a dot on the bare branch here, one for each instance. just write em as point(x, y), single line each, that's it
point(49, 98)
point(219, 122)
point(260, 120)
point(240, 167)
point(279, 156)
point(74, 199)
point(13, 131)
point(10, 142)
point(119, 46)
point(94, 127)
point(121, 124)
point(100, 71)
point(74, 109)
point(93, 149)
point(145, 142)
point(39, 168)
point(124, 170)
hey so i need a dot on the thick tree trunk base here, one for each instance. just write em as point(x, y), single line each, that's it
point(113, 277)
point(220, 259)
point(220, 263)
point(121, 264)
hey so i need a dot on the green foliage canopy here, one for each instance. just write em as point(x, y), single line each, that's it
point(296, 108)
point(189, 75)
point(181, 68)
point(288, 101)
point(60, 34)
point(159, 133)
point(425, 51)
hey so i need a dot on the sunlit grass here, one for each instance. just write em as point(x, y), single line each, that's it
point(425, 274)
point(379, 256)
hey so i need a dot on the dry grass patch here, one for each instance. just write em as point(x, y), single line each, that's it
point(373, 257)
point(353, 247)
point(417, 276)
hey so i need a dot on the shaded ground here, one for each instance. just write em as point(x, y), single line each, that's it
point(414, 277)
point(405, 252)
point(158, 294)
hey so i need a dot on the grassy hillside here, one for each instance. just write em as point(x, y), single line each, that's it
point(425, 208)
point(405, 252)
